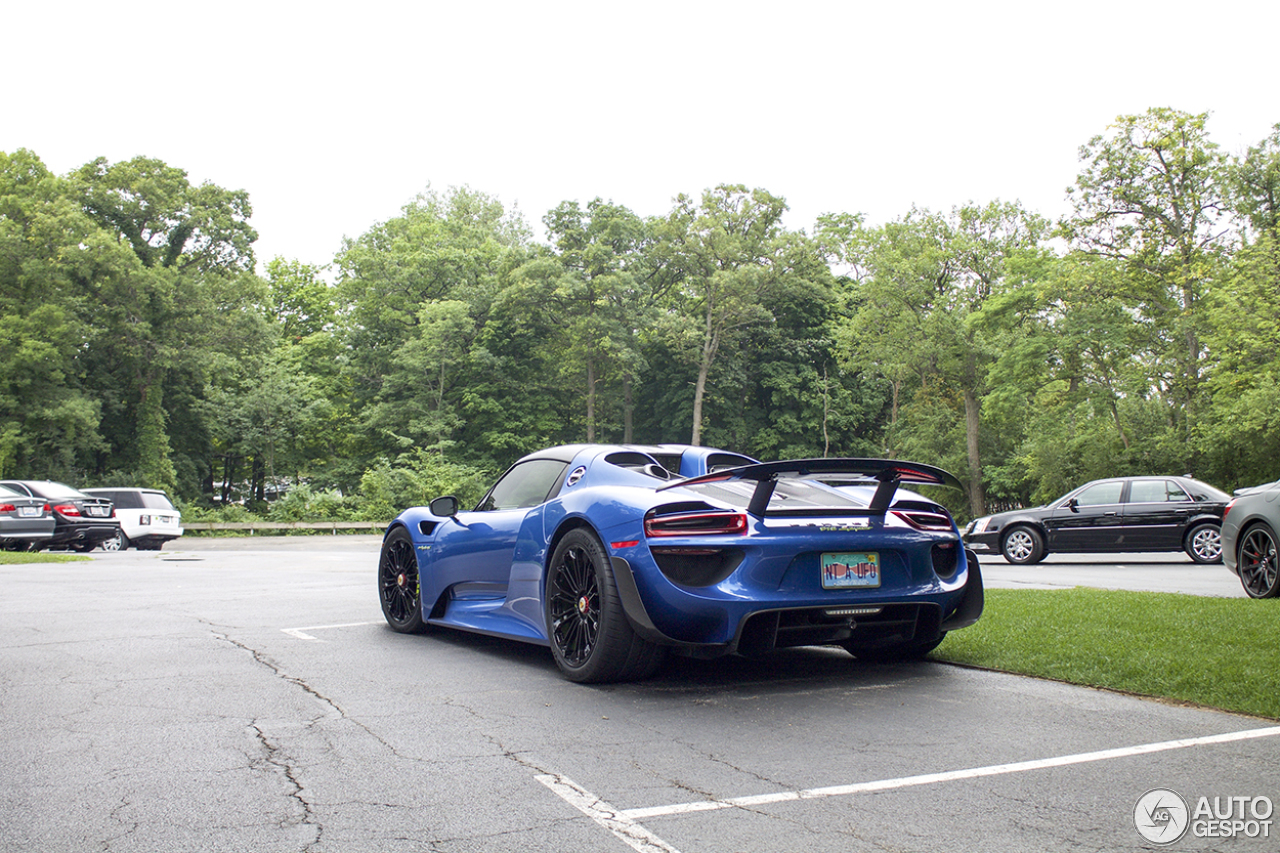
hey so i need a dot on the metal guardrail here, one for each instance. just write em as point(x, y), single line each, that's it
point(254, 526)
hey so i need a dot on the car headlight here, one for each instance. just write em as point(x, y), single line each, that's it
point(978, 525)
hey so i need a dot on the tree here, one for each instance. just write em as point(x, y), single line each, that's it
point(50, 421)
point(594, 285)
point(182, 296)
point(929, 278)
point(458, 247)
point(721, 253)
point(1253, 184)
point(1151, 196)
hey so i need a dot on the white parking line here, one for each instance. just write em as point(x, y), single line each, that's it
point(300, 633)
point(635, 835)
point(932, 778)
point(624, 823)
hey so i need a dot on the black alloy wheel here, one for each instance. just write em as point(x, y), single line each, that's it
point(573, 605)
point(1257, 562)
point(399, 586)
point(591, 639)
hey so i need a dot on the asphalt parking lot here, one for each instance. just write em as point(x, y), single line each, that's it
point(229, 695)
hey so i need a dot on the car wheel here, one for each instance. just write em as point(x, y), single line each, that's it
point(399, 587)
point(1204, 543)
point(892, 654)
point(1023, 545)
point(591, 639)
point(1257, 562)
point(83, 547)
point(119, 542)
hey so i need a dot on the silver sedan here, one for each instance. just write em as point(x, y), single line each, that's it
point(23, 519)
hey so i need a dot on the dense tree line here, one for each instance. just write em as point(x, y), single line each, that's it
point(1137, 335)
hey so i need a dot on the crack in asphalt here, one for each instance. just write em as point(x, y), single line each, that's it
point(276, 757)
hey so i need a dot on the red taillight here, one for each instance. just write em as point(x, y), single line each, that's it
point(925, 520)
point(68, 510)
point(697, 524)
point(8, 508)
point(1228, 509)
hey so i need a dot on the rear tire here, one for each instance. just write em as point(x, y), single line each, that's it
point(591, 639)
point(1204, 543)
point(1257, 562)
point(119, 542)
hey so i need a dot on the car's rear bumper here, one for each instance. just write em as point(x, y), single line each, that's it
point(758, 627)
point(81, 534)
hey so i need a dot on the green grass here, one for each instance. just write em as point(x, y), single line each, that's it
point(1220, 652)
point(11, 558)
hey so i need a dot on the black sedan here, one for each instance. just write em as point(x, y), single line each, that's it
point(1122, 514)
point(81, 521)
point(1249, 537)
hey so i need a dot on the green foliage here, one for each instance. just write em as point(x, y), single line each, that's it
point(138, 345)
point(415, 480)
point(303, 503)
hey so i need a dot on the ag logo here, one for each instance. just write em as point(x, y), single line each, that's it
point(1161, 816)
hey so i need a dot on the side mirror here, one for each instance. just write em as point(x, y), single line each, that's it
point(445, 507)
point(1073, 505)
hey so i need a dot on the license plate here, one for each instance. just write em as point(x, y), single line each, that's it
point(859, 569)
point(29, 511)
point(97, 510)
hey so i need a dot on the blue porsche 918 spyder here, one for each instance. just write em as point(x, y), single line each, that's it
point(614, 555)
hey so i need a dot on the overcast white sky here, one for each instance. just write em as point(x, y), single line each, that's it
point(335, 115)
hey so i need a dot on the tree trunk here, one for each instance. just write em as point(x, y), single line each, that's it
point(628, 409)
point(591, 400)
point(977, 496)
point(710, 343)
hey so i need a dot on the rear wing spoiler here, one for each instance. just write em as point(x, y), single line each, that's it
point(887, 474)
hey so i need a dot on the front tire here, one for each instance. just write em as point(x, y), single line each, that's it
point(1204, 543)
point(1257, 562)
point(1022, 546)
point(591, 639)
point(399, 585)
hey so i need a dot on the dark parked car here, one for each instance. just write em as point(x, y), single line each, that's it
point(23, 520)
point(1116, 515)
point(1249, 539)
point(80, 521)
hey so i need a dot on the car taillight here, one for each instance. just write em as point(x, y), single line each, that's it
point(68, 510)
point(8, 508)
point(1227, 509)
point(925, 520)
point(696, 524)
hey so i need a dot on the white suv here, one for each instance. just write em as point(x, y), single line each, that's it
point(148, 519)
